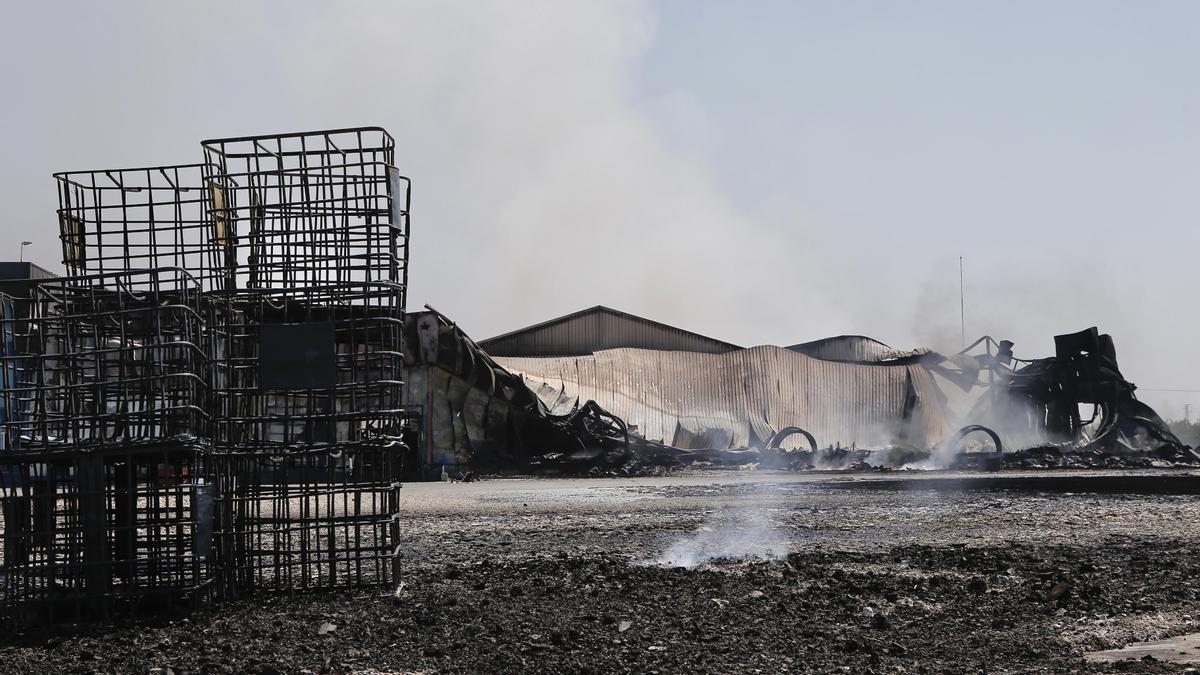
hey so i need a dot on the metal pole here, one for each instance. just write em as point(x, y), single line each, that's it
point(962, 304)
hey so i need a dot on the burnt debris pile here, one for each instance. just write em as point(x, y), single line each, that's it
point(211, 403)
point(1073, 409)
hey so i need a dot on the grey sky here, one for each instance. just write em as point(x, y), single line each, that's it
point(763, 172)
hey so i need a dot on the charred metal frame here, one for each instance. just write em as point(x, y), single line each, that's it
point(302, 210)
point(306, 520)
point(211, 405)
point(107, 360)
point(1042, 397)
point(361, 399)
point(90, 534)
point(118, 220)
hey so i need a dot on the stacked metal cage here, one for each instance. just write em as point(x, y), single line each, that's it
point(308, 356)
point(105, 419)
point(90, 534)
point(306, 519)
point(310, 367)
point(122, 220)
point(211, 404)
point(107, 360)
point(304, 210)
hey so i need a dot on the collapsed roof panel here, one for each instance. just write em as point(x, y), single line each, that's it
point(735, 399)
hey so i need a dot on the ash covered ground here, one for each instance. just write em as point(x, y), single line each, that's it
point(847, 574)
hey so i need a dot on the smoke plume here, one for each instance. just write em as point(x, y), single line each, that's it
point(744, 531)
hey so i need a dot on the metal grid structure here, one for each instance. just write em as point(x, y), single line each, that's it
point(228, 355)
point(9, 366)
point(90, 534)
point(105, 361)
point(117, 220)
point(307, 209)
point(306, 520)
point(315, 367)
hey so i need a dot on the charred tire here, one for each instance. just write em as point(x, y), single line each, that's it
point(972, 428)
point(783, 433)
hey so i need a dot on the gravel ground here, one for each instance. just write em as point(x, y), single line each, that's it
point(719, 572)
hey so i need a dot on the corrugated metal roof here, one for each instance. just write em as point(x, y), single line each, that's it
point(720, 400)
point(595, 329)
point(845, 348)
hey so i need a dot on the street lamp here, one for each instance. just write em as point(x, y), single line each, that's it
point(23, 245)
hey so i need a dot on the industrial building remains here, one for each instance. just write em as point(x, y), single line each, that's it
point(837, 403)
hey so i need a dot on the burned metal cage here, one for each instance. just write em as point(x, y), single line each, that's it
point(306, 520)
point(306, 209)
point(211, 405)
point(106, 361)
point(304, 368)
point(117, 220)
point(89, 534)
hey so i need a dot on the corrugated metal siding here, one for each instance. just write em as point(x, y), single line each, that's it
point(845, 348)
point(724, 399)
point(599, 329)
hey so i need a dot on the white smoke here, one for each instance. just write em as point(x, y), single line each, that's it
point(540, 161)
point(536, 158)
point(740, 532)
point(829, 461)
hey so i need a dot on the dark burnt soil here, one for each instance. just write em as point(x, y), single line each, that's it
point(904, 608)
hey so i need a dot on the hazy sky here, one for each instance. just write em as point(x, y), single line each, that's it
point(762, 172)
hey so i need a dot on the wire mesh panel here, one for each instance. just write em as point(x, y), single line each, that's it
point(307, 209)
point(86, 535)
point(306, 520)
point(307, 367)
point(107, 360)
point(115, 220)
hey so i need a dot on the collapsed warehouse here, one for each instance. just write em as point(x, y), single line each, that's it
point(222, 396)
point(654, 394)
